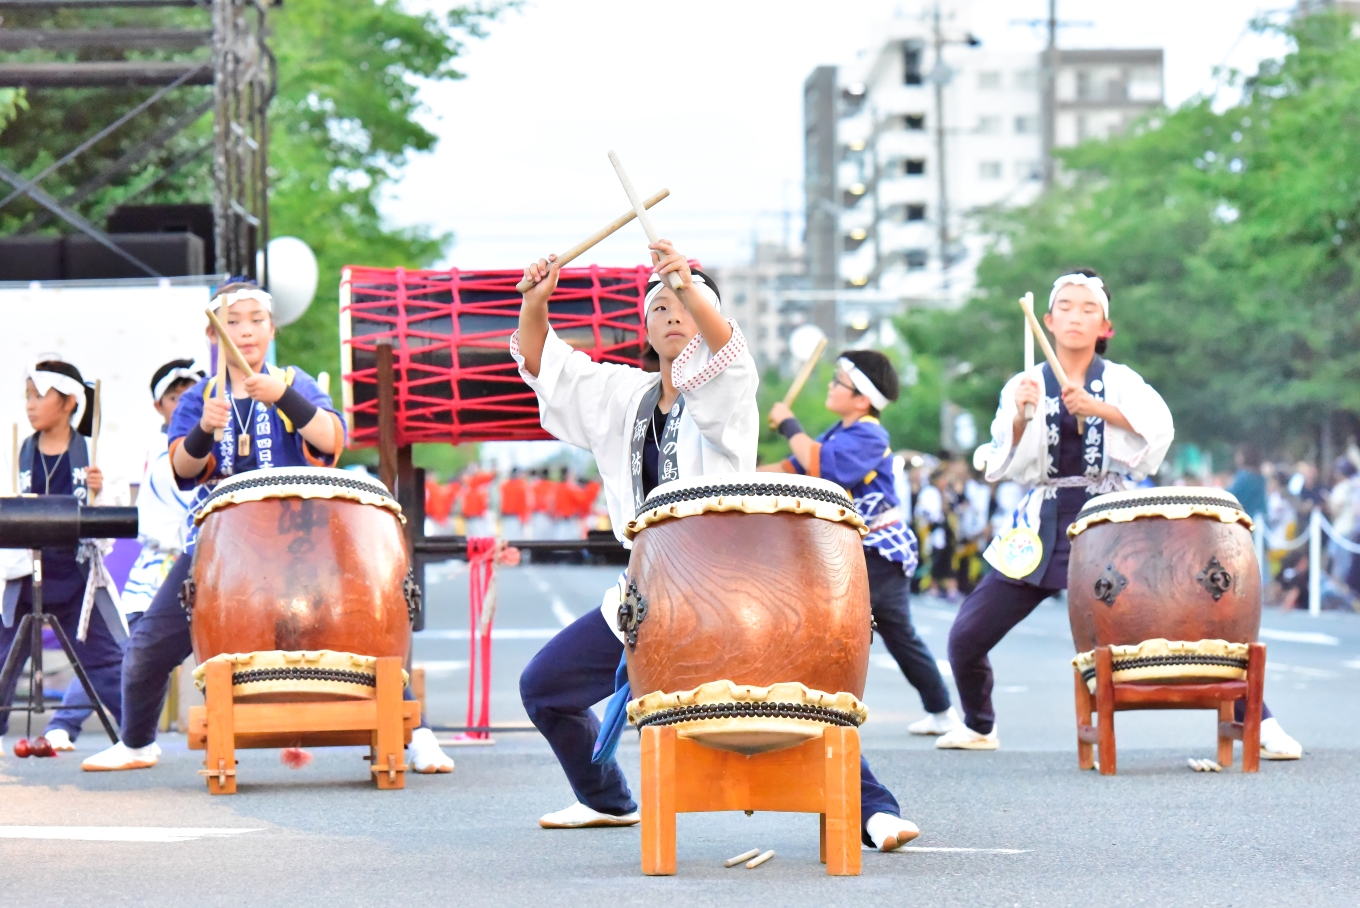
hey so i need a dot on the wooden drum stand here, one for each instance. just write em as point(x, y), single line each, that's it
point(383, 723)
point(1111, 697)
point(819, 776)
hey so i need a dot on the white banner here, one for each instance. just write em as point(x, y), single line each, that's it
point(117, 334)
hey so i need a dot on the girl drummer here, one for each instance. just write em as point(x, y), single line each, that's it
point(1107, 430)
point(696, 416)
point(274, 418)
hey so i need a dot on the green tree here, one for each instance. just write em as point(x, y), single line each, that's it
point(1228, 240)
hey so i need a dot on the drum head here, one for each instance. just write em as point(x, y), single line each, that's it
point(749, 493)
point(299, 482)
point(1167, 502)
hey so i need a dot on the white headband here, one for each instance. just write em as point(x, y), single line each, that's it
point(1081, 280)
point(171, 377)
point(863, 384)
point(44, 381)
point(247, 293)
point(654, 286)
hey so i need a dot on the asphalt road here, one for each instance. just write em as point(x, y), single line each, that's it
point(1022, 826)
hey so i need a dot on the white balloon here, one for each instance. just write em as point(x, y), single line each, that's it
point(803, 340)
point(293, 275)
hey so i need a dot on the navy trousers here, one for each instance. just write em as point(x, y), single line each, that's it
point(573, 672)
point(996, 605)
point(158, 643)
point(75, 703)
point(99, 653)
point(890, 600)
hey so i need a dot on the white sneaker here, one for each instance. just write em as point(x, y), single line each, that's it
point(890, 833)
point(579, 816)
point(426, 755)
point(936, 723)
point(59, 738)
point(1276, 744)
point(120, 756)
point(964, 738)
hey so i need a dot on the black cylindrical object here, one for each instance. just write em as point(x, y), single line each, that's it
point(55, 521)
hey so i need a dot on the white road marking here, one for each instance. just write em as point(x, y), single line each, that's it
point(561, 612)
point(117, 833)
point(1353, 663)
point(1321, 639)
point(1012, 689)
point(933, 612)
point(883, 660)
point(442, 666)
point(1302, 670)
point(945, 668)
point(965, 850)
point(497, 633)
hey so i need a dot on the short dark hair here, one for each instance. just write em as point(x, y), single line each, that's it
point(879, 370)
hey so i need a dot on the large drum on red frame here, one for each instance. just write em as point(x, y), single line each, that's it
point(1169, 578)
point(746, 610)
point(301, 580)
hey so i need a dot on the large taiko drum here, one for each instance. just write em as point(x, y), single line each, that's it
point(300, 580)
point(746, 610)
point(1168, 578)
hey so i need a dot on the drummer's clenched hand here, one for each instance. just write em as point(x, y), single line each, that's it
point(215, 414)
point(1079, 403)
point(666, 260)
point(94, 481)
point(265, 388)
point(779, 412)
point(543, 273)
point(1026, 393)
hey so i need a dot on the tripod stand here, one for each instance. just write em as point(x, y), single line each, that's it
point(32, 624)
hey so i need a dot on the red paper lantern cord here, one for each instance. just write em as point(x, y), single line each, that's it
point(450, 333)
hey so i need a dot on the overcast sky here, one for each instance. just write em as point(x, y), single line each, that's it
point(704, 98)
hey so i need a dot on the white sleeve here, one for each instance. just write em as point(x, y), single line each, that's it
point(1024, 460)
point(573, 391)
point(720, 393)
point(1143, 449)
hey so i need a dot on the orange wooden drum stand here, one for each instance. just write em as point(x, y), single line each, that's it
point(300, 611)
point(223, 726)
point(748, 628)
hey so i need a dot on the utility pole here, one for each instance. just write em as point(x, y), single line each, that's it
point(940, 74)
point(1048, 99)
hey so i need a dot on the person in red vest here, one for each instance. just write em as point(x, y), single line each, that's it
point(515, 506)
point(439, 500)
point(566, 523)
point(476, 499)
point(585, 504)
point(542, 500)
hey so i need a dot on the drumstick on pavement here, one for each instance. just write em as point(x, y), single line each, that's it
point(1029, 351)
point(221, 364)
point(613, 226)
point(756, 862)
point(732, 862)
point(229, 345)
point(641, 211)
point(803, 375)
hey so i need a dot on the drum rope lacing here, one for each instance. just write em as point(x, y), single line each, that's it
point(1155, 501)
point(286, 479)
point(1124, 665)
point(302, 673)
point(764, 490)
point(700, 711)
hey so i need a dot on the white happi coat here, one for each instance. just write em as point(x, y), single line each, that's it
point(595, 406)
point(1128, 457)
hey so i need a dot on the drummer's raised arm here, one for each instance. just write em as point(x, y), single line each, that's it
point(533, 312)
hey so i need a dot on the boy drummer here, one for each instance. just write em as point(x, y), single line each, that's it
point(274, 418)
point(697, 416)
point(855, 454)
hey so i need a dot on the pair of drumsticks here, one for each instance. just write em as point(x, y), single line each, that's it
point(1037, 333)
point(639, 211)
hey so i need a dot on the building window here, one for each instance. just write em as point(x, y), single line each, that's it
point(1084, 85)
point(1027, 80)
point(914, 122)
point(916, 212)
point(915, 259)
point(1026, 125)
point(1028, 170)
point(912, 52)
point(989, 80)
point(989, 125)
point(989, 170)
point(914, 167)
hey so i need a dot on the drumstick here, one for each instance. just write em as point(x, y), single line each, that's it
point(98, 423)
point(1027, 304)
point(221, 365)
point(803, 375)
point(613, 226)
point(641, 212)
point(741, 858)
point(1029, 352)
point(226, 343)
point(756, 862)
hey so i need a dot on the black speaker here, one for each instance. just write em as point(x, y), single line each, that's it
point(30, 258)
point(170, 254)
point(195, 219)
